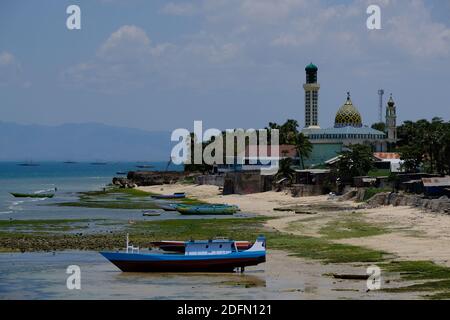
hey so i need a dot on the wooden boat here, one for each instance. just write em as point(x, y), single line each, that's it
point(167, 207)
point(199, 256)
point(212, 209)
point(179, 246)
point(28, 164)
point(177, 195)
point(150, 213)
point(144, 166)
point(32, 195)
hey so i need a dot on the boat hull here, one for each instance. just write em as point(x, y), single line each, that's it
point(129, 262)
point(34, 195)
point(206, 209)
point(170, 196)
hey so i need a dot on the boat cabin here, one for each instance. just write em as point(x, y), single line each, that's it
point(211, 247)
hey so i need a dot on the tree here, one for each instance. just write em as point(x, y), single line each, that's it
point(380, 126)
point(285, 170)
point(304, 148)
point(425, 145)
point(412, 158)
point(357, 161)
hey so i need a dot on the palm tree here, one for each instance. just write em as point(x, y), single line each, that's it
point(285, 170)
point(304, 148)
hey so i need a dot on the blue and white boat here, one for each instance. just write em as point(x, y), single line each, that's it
point(199, 256)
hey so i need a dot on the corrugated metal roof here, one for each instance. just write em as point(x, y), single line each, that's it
point(313, 171)
point(436, 182)
point(387, 155)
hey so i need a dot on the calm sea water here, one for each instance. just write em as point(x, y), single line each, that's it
point(42, 275)
point(68, 179)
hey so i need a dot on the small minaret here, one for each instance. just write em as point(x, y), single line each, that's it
point(391, 120)
point(311, 88)
point(380, 105)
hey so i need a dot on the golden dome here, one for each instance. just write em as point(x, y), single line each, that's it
point(348, 115)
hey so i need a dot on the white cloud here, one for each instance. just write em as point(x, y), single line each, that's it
point(122, 62)
point(11, 72)
point(238, 35)
point(179, 9)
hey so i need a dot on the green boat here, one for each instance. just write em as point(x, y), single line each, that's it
point(32, 195)
point(207, 209)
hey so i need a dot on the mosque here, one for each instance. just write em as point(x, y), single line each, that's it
point(348, 125)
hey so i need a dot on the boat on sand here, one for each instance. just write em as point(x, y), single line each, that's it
point(176, 195)
point(179, 246)
point(207, 209)
point(199, 256)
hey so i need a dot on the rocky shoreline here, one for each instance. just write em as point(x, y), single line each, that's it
point(150, 178)
point(441, 205)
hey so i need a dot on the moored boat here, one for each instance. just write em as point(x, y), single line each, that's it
point(32, 195)
point(199, 256)
point(207, 209)
point(176, 195)
point(150, 213)
point(179, 246)
point(167, 207)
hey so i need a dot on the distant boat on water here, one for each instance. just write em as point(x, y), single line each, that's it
point(28, 164)
point(144, 166)
point(121, 172)
point(32, 195)
point(70, 162)
point(98, 163)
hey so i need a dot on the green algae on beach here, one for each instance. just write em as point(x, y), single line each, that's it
point(119, 198)
point(433, 279)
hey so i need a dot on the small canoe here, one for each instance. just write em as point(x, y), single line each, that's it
point(150, 213)
point(144, 166)
point(215, 209)
point(177, 195)
point(32, 195)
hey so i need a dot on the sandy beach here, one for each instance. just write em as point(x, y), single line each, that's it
point(412, 234)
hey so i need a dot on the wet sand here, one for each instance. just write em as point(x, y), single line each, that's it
point(43, 276)
point(413, 234)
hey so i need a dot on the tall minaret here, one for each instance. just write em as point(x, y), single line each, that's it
point(311, 96)
point(391, 120)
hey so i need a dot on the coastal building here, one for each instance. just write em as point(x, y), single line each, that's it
point(251, 160)
point(311, 88)
point(348, 126)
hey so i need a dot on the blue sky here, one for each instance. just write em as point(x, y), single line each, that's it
point(160, 65)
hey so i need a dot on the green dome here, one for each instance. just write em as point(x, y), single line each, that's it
point(312, 67)
point(348, 115)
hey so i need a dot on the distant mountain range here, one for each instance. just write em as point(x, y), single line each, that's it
point(82, 142)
